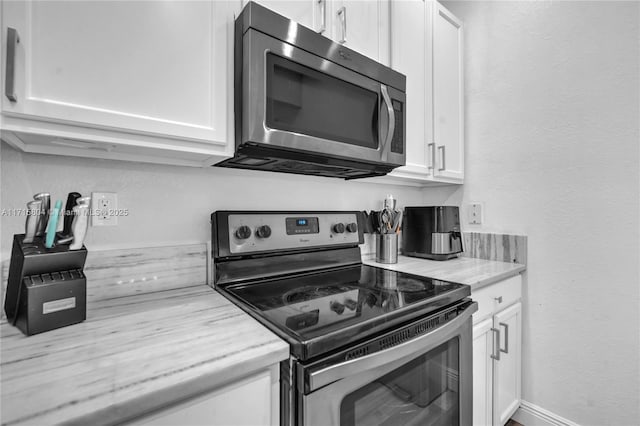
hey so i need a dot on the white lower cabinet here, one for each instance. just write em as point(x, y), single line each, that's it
point(497, 347)
point(252, 401)
point(482, 372)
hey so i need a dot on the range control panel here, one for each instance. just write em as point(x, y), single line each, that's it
point(264, 231)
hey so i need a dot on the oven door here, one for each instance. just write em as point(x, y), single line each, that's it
point(295, 100)
point(423, 381)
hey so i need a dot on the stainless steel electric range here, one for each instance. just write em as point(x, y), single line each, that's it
point(369, 346)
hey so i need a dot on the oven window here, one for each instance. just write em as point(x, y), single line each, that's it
point(424, 391)
point(303, 100)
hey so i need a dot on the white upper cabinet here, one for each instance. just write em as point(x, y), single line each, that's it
point(362, 25)
point(143, 80)
point(310, 13)
point(426, 46)
point(448, 97)
point(410, 46)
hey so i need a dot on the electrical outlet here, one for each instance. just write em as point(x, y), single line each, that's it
point(475, 213)
point(104, 206)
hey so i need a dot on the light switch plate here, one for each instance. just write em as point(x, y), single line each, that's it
point(475, 213)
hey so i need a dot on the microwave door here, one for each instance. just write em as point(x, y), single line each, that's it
point(301, 101)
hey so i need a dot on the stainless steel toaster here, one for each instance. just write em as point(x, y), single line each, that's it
point(431, 232)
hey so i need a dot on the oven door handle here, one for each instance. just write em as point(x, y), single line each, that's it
point(333, 373)
point(386, 147)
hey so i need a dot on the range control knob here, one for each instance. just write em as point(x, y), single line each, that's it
point(263, 231)
point(243, 232)
point(352, 227)
point(336, 307)
point(338, 228)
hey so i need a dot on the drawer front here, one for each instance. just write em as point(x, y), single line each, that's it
point(495, 297)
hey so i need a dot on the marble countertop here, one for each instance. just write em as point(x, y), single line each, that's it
point(131, 356)
point(475, 272)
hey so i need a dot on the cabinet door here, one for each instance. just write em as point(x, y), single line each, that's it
point(310, 13)
point(144, 67)
point(448, 94)
point(249, 402)
point(507, 379)
point(363, 25)
point(411, 44)
point(482, 373)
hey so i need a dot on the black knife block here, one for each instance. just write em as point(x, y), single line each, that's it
point(46, 288)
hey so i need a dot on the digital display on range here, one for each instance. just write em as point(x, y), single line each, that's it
point(302, 225)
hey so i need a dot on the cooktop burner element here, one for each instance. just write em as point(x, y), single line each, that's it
point(342, 303)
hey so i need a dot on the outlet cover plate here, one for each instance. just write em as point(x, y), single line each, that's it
point(475, 213)
point(104, 206)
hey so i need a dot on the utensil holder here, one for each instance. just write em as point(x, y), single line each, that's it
point(387, 248)
point(46, 288)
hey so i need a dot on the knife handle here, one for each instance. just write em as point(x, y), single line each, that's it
point(83, 201)
point(44, 212)
point(79, 226)
point(33, 214)
point(53, 223)
point(72, 198)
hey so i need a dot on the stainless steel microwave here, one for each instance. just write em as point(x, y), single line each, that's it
point(305, 104)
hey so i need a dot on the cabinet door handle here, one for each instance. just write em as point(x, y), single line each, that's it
point(323, 16)
point(506, 338)
point(10, 81)
point(441, 149)
point(432, 148)
point(342, 13)
point(496, 344)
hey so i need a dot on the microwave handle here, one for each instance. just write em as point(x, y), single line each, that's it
point(386, 146)
point(333, 373)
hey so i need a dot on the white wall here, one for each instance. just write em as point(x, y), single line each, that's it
point(172, 205)
point(552, 119)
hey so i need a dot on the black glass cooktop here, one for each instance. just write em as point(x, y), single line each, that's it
point(319, 312)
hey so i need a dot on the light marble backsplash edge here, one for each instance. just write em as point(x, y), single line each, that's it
point(117, 273)
point(499, 247)
point(125, 272)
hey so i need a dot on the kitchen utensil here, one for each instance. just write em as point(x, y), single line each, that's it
point(397, 222)
point(375, 221)
point(367, 226)
point(53, 223)
point(33, 216)
point(79, 225)
point(387, 218)
point(60, 224)
point(45, 197)
point(389, 202)
point(72, 198)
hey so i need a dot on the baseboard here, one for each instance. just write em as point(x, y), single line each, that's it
point(531, 415)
